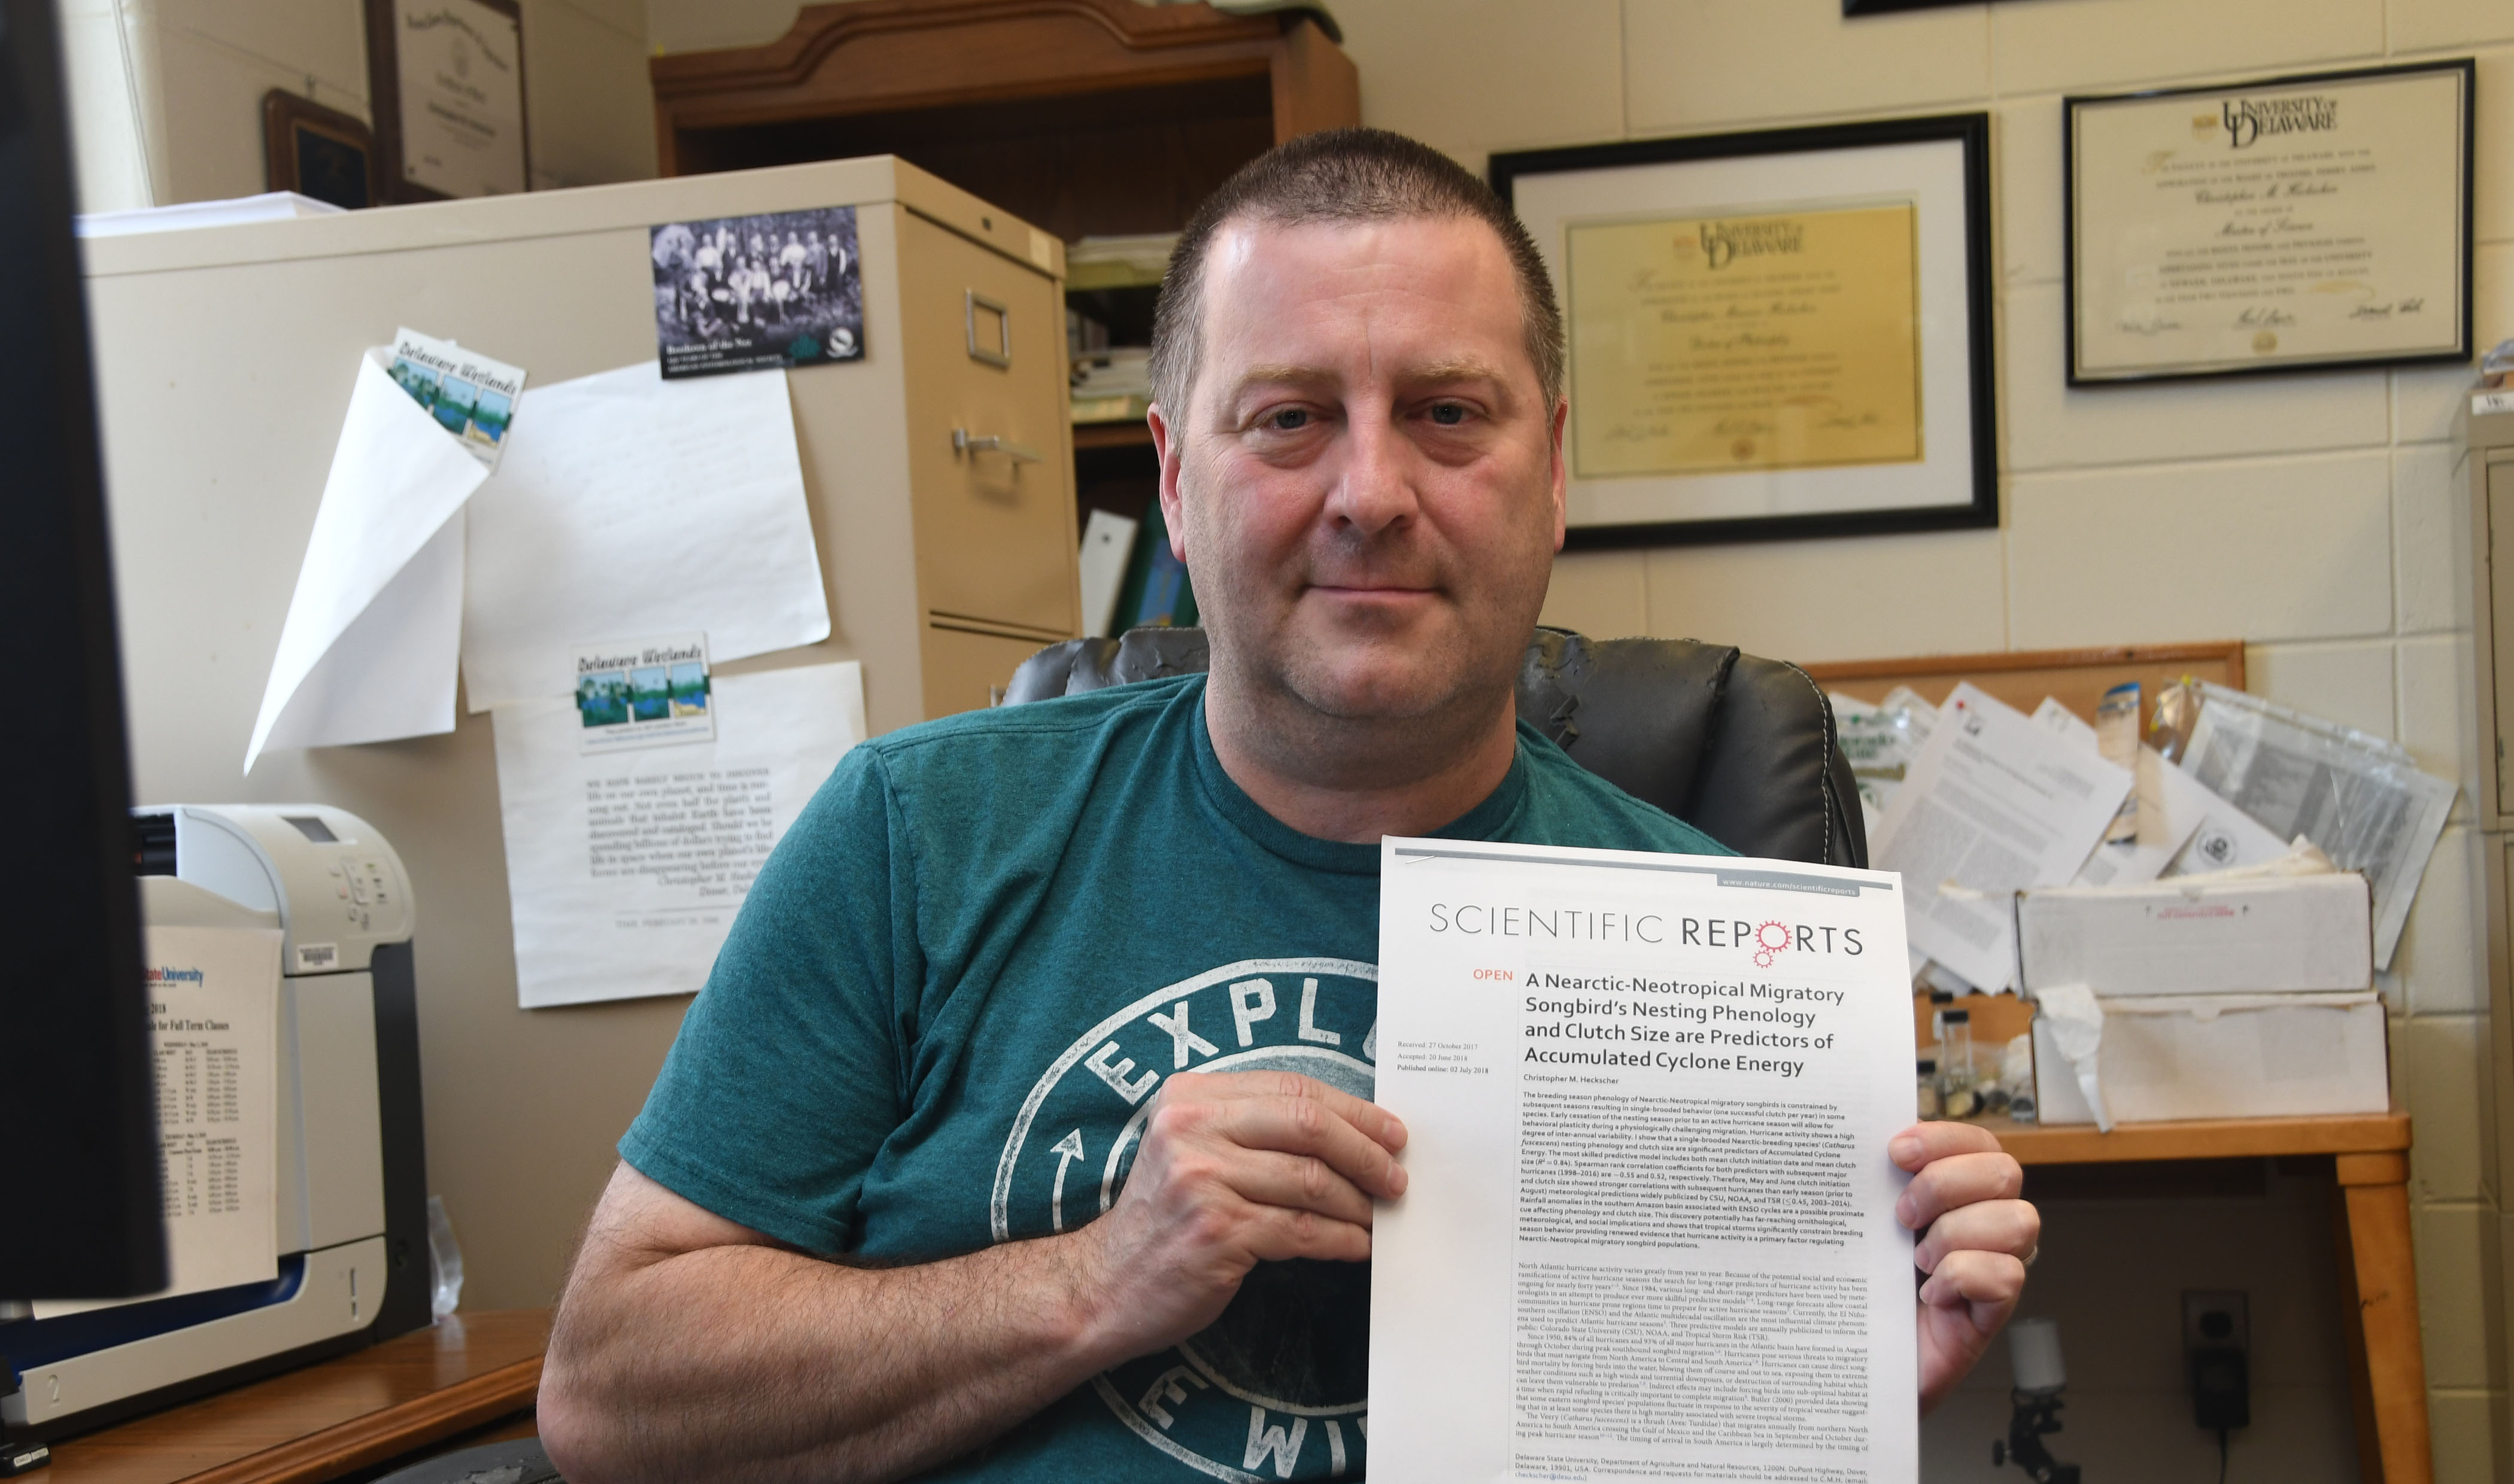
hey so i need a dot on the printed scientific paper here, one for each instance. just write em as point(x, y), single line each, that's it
point(368, 649)
point(625, 868)
point(213, 1019)
point(627, 506)
point(1649, 1230)
point(1995, 803)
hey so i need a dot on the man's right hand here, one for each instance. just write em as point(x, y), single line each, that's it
point(690, 1346)
point(1236, 1168)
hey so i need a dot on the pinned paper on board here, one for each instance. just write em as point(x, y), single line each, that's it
point(624, 505)
point(626, 868)
point(367, 653)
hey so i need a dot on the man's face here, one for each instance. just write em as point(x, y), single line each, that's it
point(1368, 483)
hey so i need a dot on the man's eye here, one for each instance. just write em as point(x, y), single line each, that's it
point(1289, 420)
point(1449, 414)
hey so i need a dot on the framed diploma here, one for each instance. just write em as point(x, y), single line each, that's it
point(1777, 333)
point(2296, 224)
point(446, 81)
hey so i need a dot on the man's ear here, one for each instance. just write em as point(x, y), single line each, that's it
point(1561, 476)
point(1167, 448)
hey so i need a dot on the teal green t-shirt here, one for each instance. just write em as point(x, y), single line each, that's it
point(941, 1016)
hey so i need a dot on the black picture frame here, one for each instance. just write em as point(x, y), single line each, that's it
point(2465, 235)
point(1971, 132)
point(319, 152)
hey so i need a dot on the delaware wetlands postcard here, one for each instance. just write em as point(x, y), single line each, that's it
point(469, 395)
point(644, 693)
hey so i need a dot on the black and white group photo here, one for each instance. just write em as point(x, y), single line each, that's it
point(745, 293)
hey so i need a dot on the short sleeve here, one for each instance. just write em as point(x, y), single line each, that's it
point(785, 1080)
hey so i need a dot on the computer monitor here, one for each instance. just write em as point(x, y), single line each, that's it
point(79, 1202)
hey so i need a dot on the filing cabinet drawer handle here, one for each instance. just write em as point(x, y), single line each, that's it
point(1000, 354)
point(965, 442)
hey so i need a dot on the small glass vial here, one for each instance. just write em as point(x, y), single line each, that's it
point(1959, 1095)
point(1929, 1080)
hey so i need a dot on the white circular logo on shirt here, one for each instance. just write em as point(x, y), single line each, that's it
point(1276, 1387)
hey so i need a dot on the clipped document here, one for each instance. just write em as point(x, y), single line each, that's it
point(625, 868)
point(1995, 803)
point(1648, 1230)
point(368, 649)
point(624, 505)
point(214, 1035)
point(2359, 797)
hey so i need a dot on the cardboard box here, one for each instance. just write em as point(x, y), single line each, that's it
point(2284, 933)
point(2225, 1055)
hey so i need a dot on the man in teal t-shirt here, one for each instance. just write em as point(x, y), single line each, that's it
point(1023, 1129)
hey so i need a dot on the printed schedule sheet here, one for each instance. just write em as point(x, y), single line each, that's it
point(1649, 1232)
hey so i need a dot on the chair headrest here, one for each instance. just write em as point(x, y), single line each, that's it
point(1741, 748)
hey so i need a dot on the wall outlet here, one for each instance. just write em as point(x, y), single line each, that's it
point(2217, 1348)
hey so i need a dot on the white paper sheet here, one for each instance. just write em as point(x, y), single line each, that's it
point(628, 504)
point(367, 651)
point(213, 1019)
point(1108, 540)
point(624, 869)
point(1649, 1226)
point(1996, 803)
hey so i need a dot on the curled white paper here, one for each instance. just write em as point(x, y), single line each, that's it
point(368, 650)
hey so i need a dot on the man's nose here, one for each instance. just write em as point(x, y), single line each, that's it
point(1376, 487)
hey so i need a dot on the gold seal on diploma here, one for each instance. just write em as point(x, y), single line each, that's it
point(1721, 344)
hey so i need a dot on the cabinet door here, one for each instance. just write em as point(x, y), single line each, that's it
point(966, 671)
point(985, 358)
point(2497, 612)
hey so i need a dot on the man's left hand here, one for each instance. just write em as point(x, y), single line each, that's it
point(1976, 1238)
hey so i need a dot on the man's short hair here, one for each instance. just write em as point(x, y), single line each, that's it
point(1335, 176)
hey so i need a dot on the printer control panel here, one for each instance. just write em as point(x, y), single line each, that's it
point(361, 888)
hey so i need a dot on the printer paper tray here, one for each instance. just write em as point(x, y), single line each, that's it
point(343, 1288)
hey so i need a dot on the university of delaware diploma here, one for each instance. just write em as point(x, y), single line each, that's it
point(1767, 341)
point(1650, 1227)
point(2275, 224)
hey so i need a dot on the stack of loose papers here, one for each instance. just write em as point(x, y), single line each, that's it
point(1994, 804)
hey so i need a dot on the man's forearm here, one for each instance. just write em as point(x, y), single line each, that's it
point(782, 1367)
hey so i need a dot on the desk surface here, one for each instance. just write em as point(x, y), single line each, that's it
point(2203, 1139)
point(328, 1418)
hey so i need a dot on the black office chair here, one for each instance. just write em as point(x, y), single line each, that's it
point(1740, 748)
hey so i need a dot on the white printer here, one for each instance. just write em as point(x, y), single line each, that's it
point(352, 1183)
